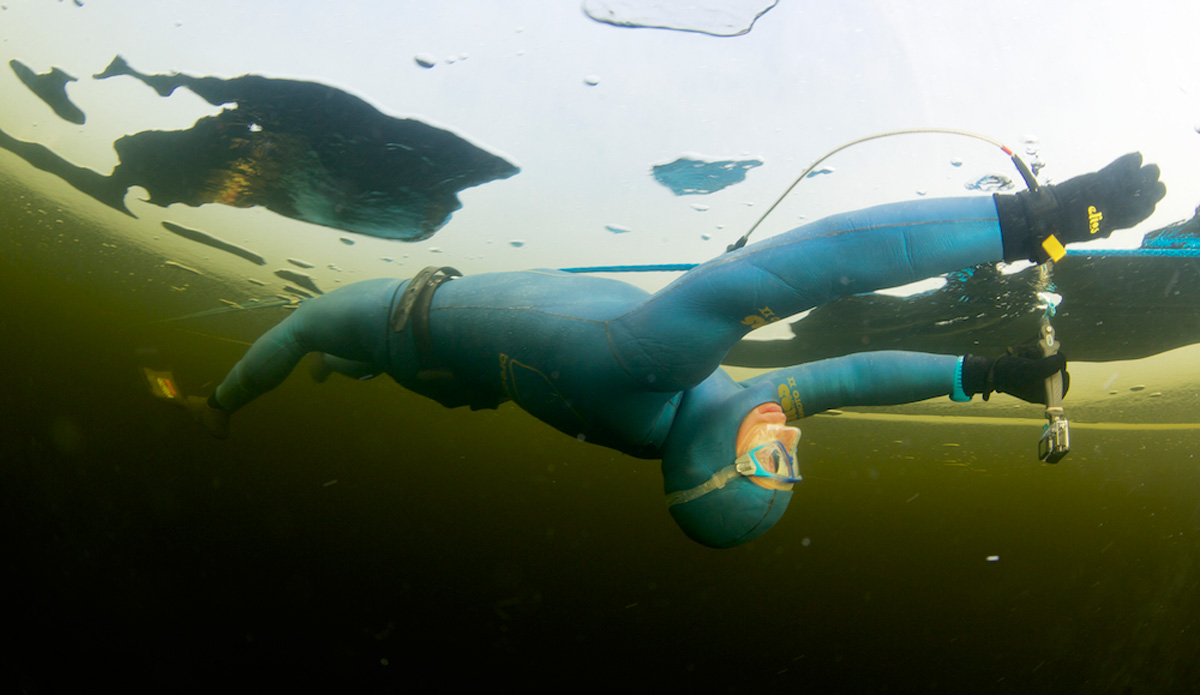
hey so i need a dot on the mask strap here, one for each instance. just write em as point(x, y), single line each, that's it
point(719, 480)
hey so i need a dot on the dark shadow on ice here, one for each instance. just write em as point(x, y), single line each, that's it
point(50, 88)
point(687, 176)
point(301, 149)
point(303, 279)
point(1117, 305)
point(105, 189)
point(210, 240)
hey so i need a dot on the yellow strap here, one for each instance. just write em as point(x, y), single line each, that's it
point(716, 482)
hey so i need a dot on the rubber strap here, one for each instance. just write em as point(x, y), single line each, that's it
point(959, 394)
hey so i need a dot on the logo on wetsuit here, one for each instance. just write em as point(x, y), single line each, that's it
point(789, 400)
point(765, 316)
point(1094, 217)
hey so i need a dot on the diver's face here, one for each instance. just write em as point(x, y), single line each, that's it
point(764, 424)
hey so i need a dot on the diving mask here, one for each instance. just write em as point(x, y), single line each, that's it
point(772, 460)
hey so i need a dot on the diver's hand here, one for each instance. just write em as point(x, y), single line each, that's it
point(1086, 207)
point(1023, 376)
point(1118, 196)
point(214, 420)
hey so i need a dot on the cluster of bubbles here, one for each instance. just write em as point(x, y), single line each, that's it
point(991, 183)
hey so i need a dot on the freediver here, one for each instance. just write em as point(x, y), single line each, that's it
point(611, 364)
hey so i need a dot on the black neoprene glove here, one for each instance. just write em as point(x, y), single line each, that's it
point(1036, 226)
point(1023, 376)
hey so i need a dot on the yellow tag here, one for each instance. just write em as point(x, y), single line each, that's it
point(1054, 249)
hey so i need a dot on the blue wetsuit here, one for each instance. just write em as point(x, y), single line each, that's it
point(612, 364)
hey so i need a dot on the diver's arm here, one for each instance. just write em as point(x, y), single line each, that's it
point(867, 378)
point(894, 377)
point(349, 323)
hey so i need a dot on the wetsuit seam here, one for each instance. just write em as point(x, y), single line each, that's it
point(612, 350)
point(782, 280)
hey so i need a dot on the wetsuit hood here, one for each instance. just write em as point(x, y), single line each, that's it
point(702, 442)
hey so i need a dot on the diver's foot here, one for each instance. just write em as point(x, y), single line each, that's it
point(212, 419)
point(318, 368)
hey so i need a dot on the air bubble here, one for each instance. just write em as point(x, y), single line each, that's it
point(591, 80)
point(989, 183)
point(425, 60)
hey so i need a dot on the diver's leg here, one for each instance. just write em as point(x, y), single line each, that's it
point(679, 335)
point(321, 365)
point(351, 368)
point(350, 323)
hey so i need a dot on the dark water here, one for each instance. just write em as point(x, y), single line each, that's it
point(353, 529)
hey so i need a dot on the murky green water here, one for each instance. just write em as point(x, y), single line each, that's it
point(357, 528)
